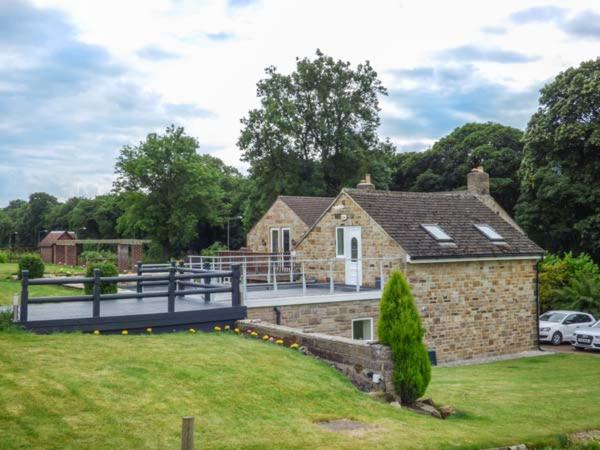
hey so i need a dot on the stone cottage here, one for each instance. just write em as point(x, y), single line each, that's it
point(286, 221)
point(471, 268)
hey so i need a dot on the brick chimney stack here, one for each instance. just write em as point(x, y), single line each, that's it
point(478, 182)
point(366, 183)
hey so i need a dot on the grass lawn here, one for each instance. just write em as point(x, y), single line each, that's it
point(8, 286)
point(105, 392)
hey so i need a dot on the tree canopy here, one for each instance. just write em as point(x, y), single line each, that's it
point(168, 189)
point(314, 132)
point(559, 204)
point(444, 166)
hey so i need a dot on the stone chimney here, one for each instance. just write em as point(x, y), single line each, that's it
point(366, 184)
point(478, 182)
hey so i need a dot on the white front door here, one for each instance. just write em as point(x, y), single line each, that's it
point(353, 255)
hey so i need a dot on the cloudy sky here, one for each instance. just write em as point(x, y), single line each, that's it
point(81, 78)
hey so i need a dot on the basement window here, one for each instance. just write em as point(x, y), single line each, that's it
point(362, 329)
point(489, 232)
point(436, 232)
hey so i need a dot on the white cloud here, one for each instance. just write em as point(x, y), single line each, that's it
point(219, 75)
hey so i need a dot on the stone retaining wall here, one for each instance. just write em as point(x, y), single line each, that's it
point(368, 365)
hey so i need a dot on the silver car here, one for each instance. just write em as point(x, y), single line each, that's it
point(587, 337)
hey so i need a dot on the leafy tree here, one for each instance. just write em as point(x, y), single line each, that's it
point(557, 272)
point(444, 166)
point(559, 205)
point(314, 133)
point(168, 190)
point(581, 294)
point(400, 327)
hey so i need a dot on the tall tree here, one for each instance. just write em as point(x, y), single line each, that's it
point(315, 131)
point(168, 190)
point(559, 204)
point(444, 167)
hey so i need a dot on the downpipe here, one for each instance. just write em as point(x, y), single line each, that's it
point(277, 312)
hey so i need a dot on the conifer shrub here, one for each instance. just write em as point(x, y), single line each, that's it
point(33, 263)
point(400, 327)
point(106, 270)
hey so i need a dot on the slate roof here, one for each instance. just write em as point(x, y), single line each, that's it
point(54, 236)
point(308, 209)
point(401, 214)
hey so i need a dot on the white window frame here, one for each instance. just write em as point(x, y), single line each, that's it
point(360, 319)
point(489, 232)
point(271, 240)
point(337, 249)
point(437, 232)
point(289, 230)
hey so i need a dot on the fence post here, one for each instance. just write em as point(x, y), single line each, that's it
point(303, 280)
point(235, 285)
point(381, 276)
point(15, 307)
point(268, 270)
point(275, 276)
point(140, 271)
point(187, 433)
point(96, 294)
point(180, 287)
point(331, 283)
point(291, 268)
point(24, 294)
point(171, 295)
point(244, 283)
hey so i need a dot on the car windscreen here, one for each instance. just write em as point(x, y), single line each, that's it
point(596, 325)
point(552, 317)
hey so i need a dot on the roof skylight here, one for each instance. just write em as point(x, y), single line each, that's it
point(436, 232)
point(489, 232)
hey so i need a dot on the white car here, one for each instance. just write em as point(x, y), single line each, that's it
point(587, 337)
point(560, 326)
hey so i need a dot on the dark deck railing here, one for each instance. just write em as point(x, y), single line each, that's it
point(179, 280)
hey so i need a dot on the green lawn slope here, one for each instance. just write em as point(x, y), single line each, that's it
point(74, 391)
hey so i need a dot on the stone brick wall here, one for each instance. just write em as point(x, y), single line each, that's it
point(476, 309)
point(278, 216)
point(469, 309)
point(319, 244)
point(368, 365)
point(331, 318)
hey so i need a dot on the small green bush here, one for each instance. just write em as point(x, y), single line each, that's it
point(97, 256)
point(4, 257)
point(33, 263)
point(106, 270)
point(154, 254)
point(213, 249)
point(400, 327)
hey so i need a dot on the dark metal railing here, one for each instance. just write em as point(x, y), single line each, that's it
point(179, 280)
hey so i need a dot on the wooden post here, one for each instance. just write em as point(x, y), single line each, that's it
point(275, 276)
point(15, 307)
point(291, 260)
point(140, 271)
point(207, 281)
point(180, 287)
point(96, 294)
point(235, 285)
point(171, 295)
point(268, 270)
point(381, 276)
point(244, 283)
point(24, 294)
point(187, 433)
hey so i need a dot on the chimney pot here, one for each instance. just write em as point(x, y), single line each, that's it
point(366, 184)
point(478, 181)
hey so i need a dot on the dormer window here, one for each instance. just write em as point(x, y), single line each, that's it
point(489, 233)
point(436, 232)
